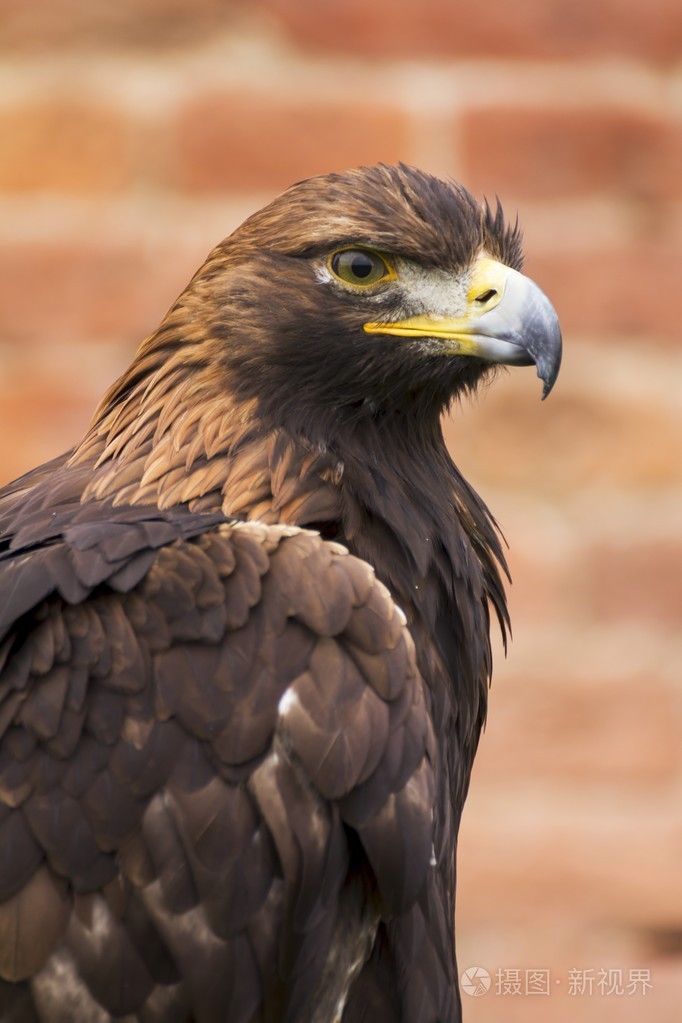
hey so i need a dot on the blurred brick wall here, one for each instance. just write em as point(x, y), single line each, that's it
point(134, 135)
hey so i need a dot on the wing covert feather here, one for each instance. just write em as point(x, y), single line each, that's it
point(207, 726)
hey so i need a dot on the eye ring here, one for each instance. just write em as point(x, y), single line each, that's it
point(359, 267)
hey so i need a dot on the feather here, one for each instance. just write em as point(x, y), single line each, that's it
point(42, 710)
point(230, 853)
point(105, 957)
point(31, 924)
point(20, 854)
point(233, 746)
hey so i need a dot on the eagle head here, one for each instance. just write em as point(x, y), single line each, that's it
point(376, 290)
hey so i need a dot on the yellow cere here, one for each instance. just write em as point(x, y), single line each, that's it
point(486, 283)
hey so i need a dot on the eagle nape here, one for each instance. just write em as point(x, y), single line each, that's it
point(245, 629)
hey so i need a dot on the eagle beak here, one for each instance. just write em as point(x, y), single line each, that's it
point(508, 319)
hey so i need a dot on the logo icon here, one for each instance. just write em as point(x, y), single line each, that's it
point(475, 981)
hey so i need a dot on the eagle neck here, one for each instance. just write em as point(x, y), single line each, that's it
point(408, 511)
point(383, 484)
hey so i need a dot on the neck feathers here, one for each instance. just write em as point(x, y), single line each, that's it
point(175, 437)
point(171, 433)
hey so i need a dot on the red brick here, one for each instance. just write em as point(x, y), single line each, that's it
point(133, 24)
point(41, 416)
point(84, 290)
point(573, 441)
point(530, 29)
point(231, 141)
point(586, 731)
point(610, 855)
point(70, 147)
point(631, 292)
point(395, 28)
point(552, 152)
point(634, 583)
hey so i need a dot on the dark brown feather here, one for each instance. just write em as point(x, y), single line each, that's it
point(235, 754)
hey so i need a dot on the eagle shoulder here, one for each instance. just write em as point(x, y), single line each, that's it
point(216, 759)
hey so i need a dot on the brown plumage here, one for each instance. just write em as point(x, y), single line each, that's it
point(244, 630)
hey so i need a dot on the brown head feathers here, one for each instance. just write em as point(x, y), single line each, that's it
point(401, 209)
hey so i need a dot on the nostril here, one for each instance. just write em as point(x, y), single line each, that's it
point(486, 296)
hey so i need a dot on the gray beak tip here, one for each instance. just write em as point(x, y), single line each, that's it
point(548, 361)
point(548, 384)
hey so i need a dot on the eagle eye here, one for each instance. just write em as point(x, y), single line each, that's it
point(360, 267)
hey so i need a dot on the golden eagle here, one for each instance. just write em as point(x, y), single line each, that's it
point(244, 630)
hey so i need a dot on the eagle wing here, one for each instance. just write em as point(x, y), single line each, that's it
point(216, 770)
